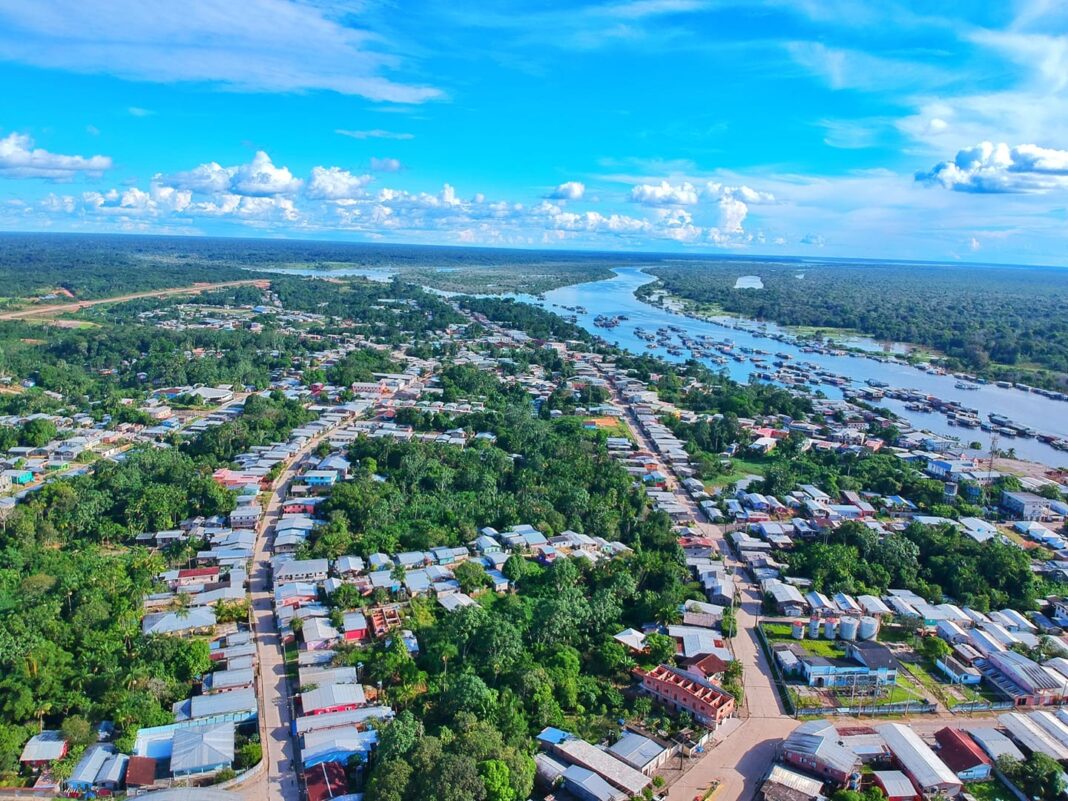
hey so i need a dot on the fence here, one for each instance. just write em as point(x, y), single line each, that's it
point(981, 706)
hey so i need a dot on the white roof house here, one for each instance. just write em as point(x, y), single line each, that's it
point(918, 761)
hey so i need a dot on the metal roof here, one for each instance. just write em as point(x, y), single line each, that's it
point(917, 758)
point(200, 748)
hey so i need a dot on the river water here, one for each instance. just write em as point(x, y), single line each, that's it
point(615, 296)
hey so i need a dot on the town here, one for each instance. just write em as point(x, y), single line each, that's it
point(464, 538)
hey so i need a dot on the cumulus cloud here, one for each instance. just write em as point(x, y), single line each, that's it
point(732, 213)
point(664, 194)
point(385, 165)
point(20, 159)
point(569, 190)
point(334, 183)
point(816, 240)
point(999, 168)
point(374, 133)
point(258, 178)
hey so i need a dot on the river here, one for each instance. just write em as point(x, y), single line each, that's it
point(615, 296)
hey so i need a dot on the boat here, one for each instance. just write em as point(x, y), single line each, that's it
point(966, 385)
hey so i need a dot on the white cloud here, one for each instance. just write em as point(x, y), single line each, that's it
point(386, 165)
point(254, 45)
point(20, 159)
point(334, 183)
point(569, 190)
point(664, 194)
point(210, 177)
point(260, 178)
point(732, 213)
point(375, 133)
point(998, 168)
point(137, 111)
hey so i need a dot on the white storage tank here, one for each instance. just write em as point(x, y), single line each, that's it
point(814, 628)
point(869, 627)
point(848, 628)
point(829, 627)
point(798, 630)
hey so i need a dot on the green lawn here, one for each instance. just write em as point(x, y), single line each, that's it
point(780, 632)
point(992, 790)
point(740, 468)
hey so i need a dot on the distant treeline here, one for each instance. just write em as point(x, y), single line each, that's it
point(1007, 322)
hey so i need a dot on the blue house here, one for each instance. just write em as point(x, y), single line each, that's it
point(320, 478)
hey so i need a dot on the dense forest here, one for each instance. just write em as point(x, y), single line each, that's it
point(1007, 322)
point(70, 636)
point(95, 266)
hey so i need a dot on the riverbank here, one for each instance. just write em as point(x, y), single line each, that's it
point(844, 370)
point(783, 305)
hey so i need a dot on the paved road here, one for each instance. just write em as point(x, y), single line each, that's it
point(60, 308)
point(740, 761)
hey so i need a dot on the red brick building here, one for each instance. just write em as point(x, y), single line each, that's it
point(687, 692)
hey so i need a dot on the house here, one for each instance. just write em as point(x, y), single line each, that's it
point(222, 681)
point(632, 639)
point(195, 620)
point(586, 785)
point(618, 774)
point(957, 672)
point(43, 749)
point(301, 570)
point(83, 777)
point(866, 667)
point(325, 781)
point(320, 478)
point(238, 706)
point(140, 774)
point(327, 698)
point(963, 755)
point(337, 744)
point(895, 784)
point(354, 624)
point(202, 749)
point(19, 477)
point(1024, 505)
point(710, 705)
point(247, 516)
point(783, 784)
point(640, 752)
point(319, 634)
point(815, 748)
point(917, 761)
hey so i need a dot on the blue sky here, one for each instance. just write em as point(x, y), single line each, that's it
point(927, 130)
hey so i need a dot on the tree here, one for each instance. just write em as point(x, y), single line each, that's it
point(935, 648)
point(399, 737)
point(1039, 776)
point(497, 778)
point(660, 647)
point(471, 575)
point(77, 731)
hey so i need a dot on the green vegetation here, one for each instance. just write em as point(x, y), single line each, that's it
point(1039, 776)
point(264, 420)
point(70, 638)
point(986, 319)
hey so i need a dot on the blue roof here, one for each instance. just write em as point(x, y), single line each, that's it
point(553, 736)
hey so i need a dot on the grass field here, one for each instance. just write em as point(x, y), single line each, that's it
point(992, 790)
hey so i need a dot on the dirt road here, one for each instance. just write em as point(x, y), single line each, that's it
point(279, 781)
point(61, 308)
